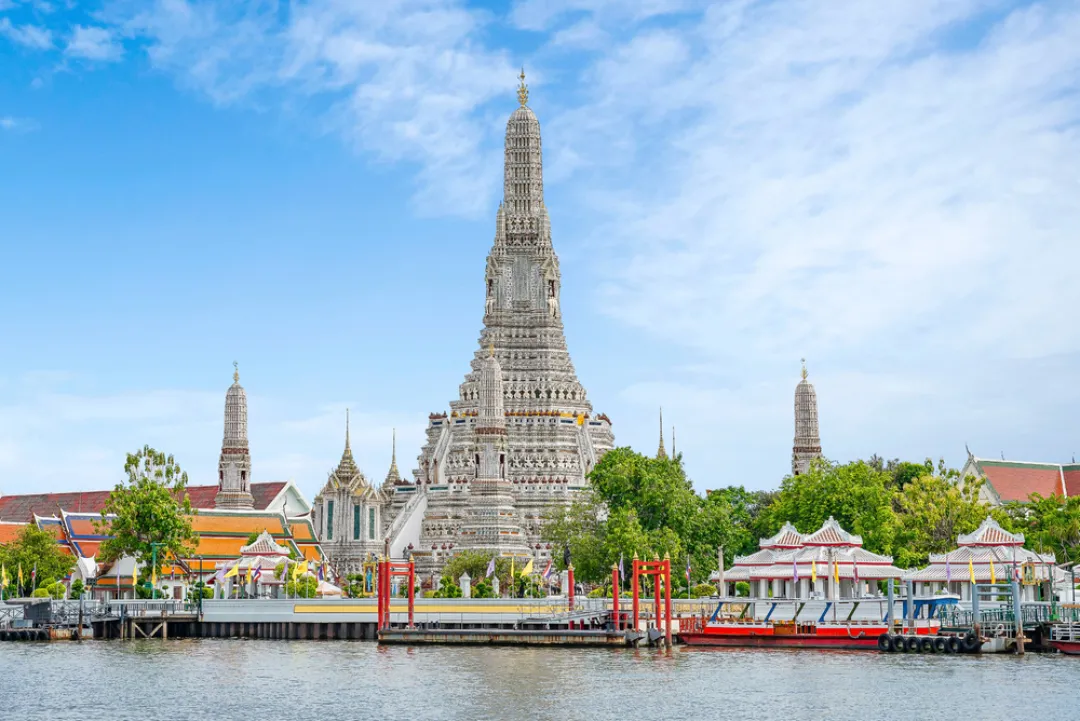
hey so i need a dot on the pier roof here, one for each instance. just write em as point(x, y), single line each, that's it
point(991, 552)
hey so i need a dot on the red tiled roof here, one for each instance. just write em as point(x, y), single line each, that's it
point(1072, 479)
point(1015, 481)
point(21, 509)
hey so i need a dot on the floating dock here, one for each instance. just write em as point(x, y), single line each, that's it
point(509, 637)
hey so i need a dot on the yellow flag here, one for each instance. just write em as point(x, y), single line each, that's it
point(993, 576)
point(971, 570)
point(248, 578)
point(20, 576)
point(301, 568)
point(511, 566)
point(836, 571)
point(233, 572)
point(3, 576)
point(528, 568)
point(813, 571)
point(153, 577)
point(134, 575)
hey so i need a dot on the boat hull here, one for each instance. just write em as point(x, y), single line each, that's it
point(863, 640)
point(1071, 648)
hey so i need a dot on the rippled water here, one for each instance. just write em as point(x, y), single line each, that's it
point(232, 679)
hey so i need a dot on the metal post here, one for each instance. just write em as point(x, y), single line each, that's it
point(892, 601)
point(412, 592)
point(909, 589)
point(636, 593)
point(976, 613)
point(1018, 617)
point(615, 596)
point(667, 601)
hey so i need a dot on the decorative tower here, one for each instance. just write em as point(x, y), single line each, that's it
point(660, 452)
point(490, 521)
point(553, 439)
point(234, 466)
point(807, 441)
point(393, 476)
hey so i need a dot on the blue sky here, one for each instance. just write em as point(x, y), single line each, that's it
point(888, 189)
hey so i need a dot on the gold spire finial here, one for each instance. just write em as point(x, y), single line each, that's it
point(523, 89)
point(804, 373)
point(236, 372)
point(491, 350)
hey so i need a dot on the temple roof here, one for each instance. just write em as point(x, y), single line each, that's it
point(786, 537)
point(989, 533)
point(264, 545)
point(23, 508)
point(831, 534)
point(9, 531)
point(1017, 480)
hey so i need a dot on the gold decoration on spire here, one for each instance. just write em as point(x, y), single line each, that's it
point(491, 350)
point(236, 372)
point(523, 90)
point(804, 373)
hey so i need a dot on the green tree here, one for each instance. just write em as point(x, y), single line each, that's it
point(150, 509)
point(303, 587)
point(1050, 525)
point(77, 588)
point(857, 495)
point(932, 510)
point(580, 526)
point(34, 548)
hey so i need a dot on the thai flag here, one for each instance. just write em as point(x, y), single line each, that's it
point(256, 574)
point(322, 572)
point(547, 570)
point(688, 569)
point(490, 568)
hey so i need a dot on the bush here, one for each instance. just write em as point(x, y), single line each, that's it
point(303, 587)
point(483, 590)
point(448, 589)
point(39, 593)
point(703, 590)
point(56, 590)
point(597, 592)
point(742, 588)
point(77, 588)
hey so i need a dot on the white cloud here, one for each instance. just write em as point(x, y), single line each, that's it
point(94, 43)
point(31, 36)
point(402, 80)
point(17, 125)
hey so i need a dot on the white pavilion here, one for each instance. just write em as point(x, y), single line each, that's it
point(801, 566)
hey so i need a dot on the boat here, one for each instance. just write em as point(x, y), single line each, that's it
point(843, 633)
point(1065, 637)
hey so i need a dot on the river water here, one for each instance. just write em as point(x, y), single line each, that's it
point(255, 680)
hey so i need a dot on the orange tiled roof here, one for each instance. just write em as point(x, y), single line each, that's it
point(9, 532)
point(242, 524)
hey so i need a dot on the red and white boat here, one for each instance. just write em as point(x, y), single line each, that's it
point(1065, 637)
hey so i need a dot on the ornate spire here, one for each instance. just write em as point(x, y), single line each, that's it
point(660, 452)
point(523, 90)
point(673, 455)
point(347, 468)
point(807, 445)
point(393, 476)
point(492, 416)
point(234, 465)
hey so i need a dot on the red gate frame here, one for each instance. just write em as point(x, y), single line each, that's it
point(387, 571)
point(660, 571)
